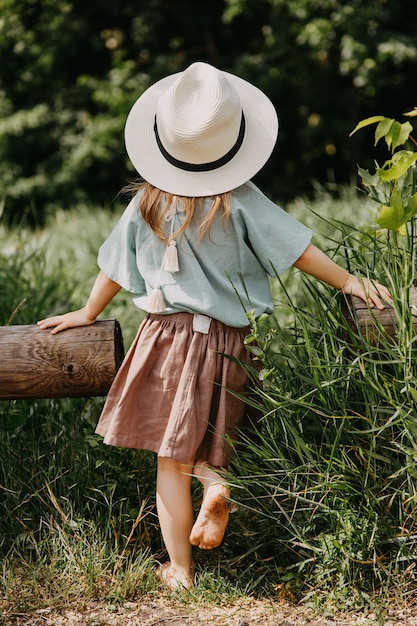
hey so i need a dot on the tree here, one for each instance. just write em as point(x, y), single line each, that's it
point(72, 70)
point(326, 64)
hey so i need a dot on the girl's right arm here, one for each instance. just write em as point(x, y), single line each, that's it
point(316, 263)
point(103, 291)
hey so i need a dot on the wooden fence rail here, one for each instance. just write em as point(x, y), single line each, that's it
point(82, 362)
point(374, 324)
point(78, 362)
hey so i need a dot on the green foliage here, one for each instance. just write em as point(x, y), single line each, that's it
point(72, 70)
point(333, 460)
point(73, 511)
point(28, 288)
point(394, 185)
point(331, 465)
point(64, 100)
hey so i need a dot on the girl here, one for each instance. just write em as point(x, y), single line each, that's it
point(195, 246)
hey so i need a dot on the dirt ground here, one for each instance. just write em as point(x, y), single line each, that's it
point(163, 612)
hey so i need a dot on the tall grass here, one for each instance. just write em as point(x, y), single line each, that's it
point(326, 485)
point(68, 503)
point(77, 518)
point(333, 464)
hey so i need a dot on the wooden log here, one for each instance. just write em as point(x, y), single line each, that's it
point(79, 362)
point(375, 325)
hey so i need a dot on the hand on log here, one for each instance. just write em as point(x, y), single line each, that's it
point(103, 291)
point(374, 294)
point(72, 319)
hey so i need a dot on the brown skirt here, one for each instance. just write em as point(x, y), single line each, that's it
point(174, 392)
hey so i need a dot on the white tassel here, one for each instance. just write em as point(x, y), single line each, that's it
point(170, 262)
point(156, 300)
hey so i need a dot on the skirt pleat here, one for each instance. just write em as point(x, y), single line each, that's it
point(174, 392)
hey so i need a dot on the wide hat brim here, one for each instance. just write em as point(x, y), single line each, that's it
point(261, 132)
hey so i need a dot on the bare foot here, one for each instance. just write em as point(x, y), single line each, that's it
point(210, 525)
point(175, 578)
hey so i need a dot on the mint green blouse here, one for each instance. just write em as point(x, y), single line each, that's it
point(225, 275)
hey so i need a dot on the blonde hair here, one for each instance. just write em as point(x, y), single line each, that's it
point(155, 205)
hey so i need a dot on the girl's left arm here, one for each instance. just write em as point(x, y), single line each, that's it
point(103, 291)
point(316, 263)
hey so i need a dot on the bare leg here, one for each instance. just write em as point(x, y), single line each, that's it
point(175, 513)
point(210, 525)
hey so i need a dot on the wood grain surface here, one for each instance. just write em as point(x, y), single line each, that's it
point(76, 362)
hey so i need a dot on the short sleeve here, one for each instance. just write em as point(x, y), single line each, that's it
point(117, 255)
point(276, 238)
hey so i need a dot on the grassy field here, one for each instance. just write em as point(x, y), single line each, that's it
point(326, 486)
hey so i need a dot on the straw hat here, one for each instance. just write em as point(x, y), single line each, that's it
point(200, 132)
